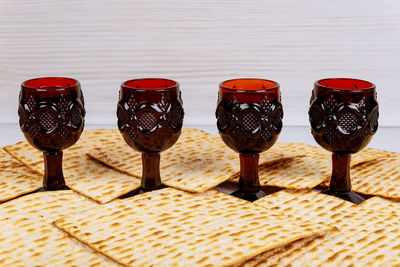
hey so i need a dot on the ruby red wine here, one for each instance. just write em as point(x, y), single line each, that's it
point(249, 119)
point(150, 118)
point(344, 117)
point(51, 116)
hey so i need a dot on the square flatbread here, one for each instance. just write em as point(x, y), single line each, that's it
point(15, 178)
point(379, 178)
point(197, 162)
point(33, 158)
point(283, 256)
point(382, 205)
point(28, 238)
point(81, 173)
point(170, 227)
point(365, 237)
point(379, 155)
point(311, 167)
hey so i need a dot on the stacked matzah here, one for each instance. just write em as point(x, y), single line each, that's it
point(15, 178)
point(82, 174)
point(197, 162)
point(382, 205)
point(365, 237)
point(28, 238)
point(311, 166)
point(170, 227)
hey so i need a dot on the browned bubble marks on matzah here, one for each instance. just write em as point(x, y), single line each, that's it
point(82, 174)
point(379, 177)
point(30, 156)
point(99, 182)
point(170, 227)
point(307, 204)
point(382, 205)
point(311, 167)
point(28, 238)
point(197, 162)
point(15, 178)
point(365, 237)
point(373, 160)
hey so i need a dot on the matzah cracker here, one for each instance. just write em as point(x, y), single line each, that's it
point(379, 178)
point(282, 256)
point(170, 227)
point(15, 178)
point(311, 167)
point(382, 205)
point(296, 173)
point(364, 155)
point(33, 158)
point(81, 173)
point(304, 203)
point(365, 238)
point(304, 172)
point(197, 162)
point(98, 182)
point(28, 238)
point(379, 155)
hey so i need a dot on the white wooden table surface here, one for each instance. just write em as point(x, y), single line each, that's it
point(101, 43)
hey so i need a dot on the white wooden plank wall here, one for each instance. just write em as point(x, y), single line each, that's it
point(200, 43)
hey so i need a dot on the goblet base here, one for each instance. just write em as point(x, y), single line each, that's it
point(249, 195)
point(53, 189)
point(141, 190)
point(144, 190)
point(350, 196)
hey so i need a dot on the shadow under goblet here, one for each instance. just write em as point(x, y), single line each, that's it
point(249, 119)
point(344, 117)
point(51, 116)
point(150, 117)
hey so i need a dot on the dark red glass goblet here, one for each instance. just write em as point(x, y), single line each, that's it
point(51, 116)
point(344, 117)
point(249, 119)
point(150, 117)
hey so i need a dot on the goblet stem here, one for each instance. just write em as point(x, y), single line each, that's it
point(340, 180)
point(151, 171)
point(53, 174)
point(249, 172)
point(340, 185)
point(249, 184)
